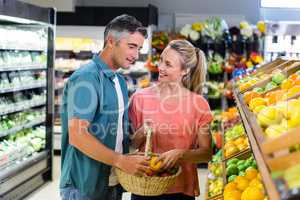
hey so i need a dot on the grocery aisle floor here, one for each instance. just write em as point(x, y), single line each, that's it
point(50, 190)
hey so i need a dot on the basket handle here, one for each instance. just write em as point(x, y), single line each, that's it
point(148, 147)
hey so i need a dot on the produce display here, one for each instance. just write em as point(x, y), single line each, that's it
point(214, 89)
point(215, 175)
point(17, 79)
point(21, 101)
point(20, 145)
point(11, 38)
point(21, 58)
point(9, 121)
point(271, 111)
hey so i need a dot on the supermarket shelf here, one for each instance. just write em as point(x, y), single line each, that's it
point(21, 107)
point(38, 84)
point(22, 67)
point(21, 127)
point(267, 179)
point(22, 171)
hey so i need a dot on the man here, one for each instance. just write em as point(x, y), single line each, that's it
point(95, 118)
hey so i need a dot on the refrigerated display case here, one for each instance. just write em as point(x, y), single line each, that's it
point(26, 97)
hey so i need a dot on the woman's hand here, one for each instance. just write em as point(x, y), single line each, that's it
point(170, 158)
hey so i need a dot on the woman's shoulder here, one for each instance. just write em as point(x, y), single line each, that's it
point(199, 99)
point(142, 93)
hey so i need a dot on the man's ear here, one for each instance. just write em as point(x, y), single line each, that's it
point(110, 41)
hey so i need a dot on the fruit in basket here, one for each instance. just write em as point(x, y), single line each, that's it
point(259, 108)
point(278, 78)
point(215, 187)
point(249, 95)
point(292, 176)
point(287, 84)
point(241, 182)
point(231, 178)
point(270, 86)
point(294, 120)
point(257, 102)
point(252, 193)
point(275, 130)
point(251, 173)
point(232, 170)
point(293, 91)
point(231, 151)
point(233, 195)
point(269, 116)
point(154, 165)
point(259, 90)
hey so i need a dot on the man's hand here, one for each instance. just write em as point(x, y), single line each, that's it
point(133, 164)
point(170, 158)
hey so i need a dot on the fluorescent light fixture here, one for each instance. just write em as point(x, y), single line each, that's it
point(280, 3)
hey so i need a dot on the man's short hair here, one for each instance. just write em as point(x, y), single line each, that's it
point(124, 23)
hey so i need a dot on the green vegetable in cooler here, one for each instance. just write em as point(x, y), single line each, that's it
point(231, 178)
point(214, 90)
point(36, 143)
point(298, 72)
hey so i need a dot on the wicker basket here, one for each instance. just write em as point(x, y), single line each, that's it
point(146, 185)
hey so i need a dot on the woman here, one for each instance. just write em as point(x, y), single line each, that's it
point(179, 117)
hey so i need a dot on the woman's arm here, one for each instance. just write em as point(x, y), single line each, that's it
point(202, 154)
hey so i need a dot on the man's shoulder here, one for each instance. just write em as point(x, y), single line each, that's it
point(85, 72)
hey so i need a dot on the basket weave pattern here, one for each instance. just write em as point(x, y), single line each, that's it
point(146, 185)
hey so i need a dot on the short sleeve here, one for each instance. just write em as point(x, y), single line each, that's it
point(82, 98)
point(204, 115)
point(134, 112)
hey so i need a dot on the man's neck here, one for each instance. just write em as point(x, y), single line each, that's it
point(105, 56)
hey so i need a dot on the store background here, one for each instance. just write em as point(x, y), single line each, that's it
point(172, 16)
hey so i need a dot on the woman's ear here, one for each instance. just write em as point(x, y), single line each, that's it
point(185, 72)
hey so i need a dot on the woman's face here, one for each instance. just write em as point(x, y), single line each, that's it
point(170, 70)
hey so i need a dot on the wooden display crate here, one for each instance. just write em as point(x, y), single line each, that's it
point(285, 67)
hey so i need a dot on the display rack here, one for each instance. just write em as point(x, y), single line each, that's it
point(26, 98)
point(272, 154)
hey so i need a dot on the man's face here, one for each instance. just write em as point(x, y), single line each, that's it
point(126, 50)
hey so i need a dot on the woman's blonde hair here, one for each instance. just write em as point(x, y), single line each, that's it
point(194, 61)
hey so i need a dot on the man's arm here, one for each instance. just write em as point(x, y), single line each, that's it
point(80, 138)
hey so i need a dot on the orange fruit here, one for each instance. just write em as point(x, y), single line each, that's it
point(297, 81)
point(241, 182)
point(257, 102)
point(155, 166)
point(293, 91)
point(248, 96)
point(230, 186)
point(293, 77)
point(287, 84)
point(252, 193)
point(233, 195)
point(245, 86)
point(251, 173)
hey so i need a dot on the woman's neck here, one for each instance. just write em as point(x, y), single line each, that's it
point(171, 90)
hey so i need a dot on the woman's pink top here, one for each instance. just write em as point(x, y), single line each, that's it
point(175, 124)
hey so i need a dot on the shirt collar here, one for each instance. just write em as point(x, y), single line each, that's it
point(107, 71)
